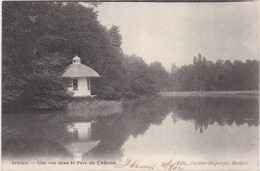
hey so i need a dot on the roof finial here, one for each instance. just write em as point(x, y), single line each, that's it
point(76, 60)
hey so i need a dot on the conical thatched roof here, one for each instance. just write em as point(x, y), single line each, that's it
point(77, 69)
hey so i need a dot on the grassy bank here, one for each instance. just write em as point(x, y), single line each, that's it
point(89, 110)
point(239, 94)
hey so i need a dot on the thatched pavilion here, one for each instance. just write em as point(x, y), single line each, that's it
point(79, 76)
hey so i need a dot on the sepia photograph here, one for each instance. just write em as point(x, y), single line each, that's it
point(98, 85)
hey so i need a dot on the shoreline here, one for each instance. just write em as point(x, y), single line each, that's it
point(239, 94)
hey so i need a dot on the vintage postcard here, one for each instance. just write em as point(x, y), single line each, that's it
point(130, 86)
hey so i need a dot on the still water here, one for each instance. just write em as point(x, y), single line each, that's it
point(193, 129)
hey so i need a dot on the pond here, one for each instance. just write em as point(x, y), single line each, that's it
point(189, 129)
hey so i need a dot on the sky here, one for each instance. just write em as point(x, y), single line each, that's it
point(176, 32)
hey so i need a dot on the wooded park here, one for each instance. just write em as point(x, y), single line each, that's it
point(41, 38)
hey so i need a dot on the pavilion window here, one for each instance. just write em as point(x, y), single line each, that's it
point(88, 83)
point(75, 84)
point(76, 133)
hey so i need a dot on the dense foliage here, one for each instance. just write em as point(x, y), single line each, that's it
point(41, 38)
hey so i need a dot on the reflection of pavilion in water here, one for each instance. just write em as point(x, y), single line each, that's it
point(82, 139)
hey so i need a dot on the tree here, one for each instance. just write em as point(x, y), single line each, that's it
point(115, 36)
point(199, 72)
point(138, 80)
point(161, 78)
point(185, 78)
point(173, 68)
point(174, 76)
point(46, 89)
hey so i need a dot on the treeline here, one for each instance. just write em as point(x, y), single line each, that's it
point(41, 38)
point(221, 76)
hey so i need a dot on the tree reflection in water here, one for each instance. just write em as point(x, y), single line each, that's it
point(205, 111)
